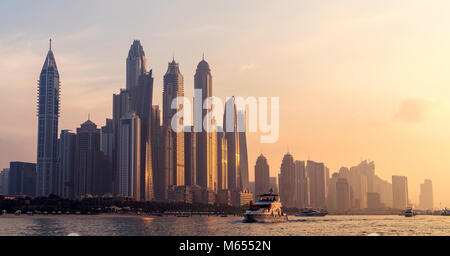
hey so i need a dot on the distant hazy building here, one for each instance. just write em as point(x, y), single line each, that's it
point(66, 157)
point(262, 176)
point(373, 200)
point(426, 201)
point(318, 183)
point(273, 185)
point(400, 192)
point(343, 201)
point(359, 179)
point(288, 181)
point(48, 114)
point(303, 185)
point(22, 178)
point(4, 181)
point(384, 188)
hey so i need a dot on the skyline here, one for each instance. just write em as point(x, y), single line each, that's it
point(407, 116)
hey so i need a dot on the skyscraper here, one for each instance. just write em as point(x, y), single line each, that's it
point(121, 106)
point(273, 184)
point(157, 154)
point(303, 186)
point(87, 155)
point(243, 154)
point(288, 181)
point(140, 87)
point(230, 126)
point(136, 64)
point(262, 176)
point(4, 181)
point(129, 162)
point(66, 157)
point(318, 183)
point(22, 178)
point(173, 88)
point(426, 201)
point(207, 138)
point(165, 174)
point(400, 192)
point(107, 137)
point(48, 114)
point(190, 158)
point(222, 161)
point(342, 195)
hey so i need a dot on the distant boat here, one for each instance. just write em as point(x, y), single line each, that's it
point(309, 212)
point(183, 215)
point(18, 212)
point(409, 212)
point(224, 215)
point(445, 212)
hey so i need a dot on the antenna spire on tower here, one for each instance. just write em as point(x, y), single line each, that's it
point(50, 44)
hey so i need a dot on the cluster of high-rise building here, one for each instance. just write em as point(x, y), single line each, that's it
point(140, 153)
point(308, 184)
point(143, 154)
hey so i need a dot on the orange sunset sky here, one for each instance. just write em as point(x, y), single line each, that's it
point(356, 79)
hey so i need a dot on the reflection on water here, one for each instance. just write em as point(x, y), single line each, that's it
point(118, 225)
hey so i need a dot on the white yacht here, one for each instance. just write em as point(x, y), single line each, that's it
point(309, 212)
point(445, 212)
point(266, 209)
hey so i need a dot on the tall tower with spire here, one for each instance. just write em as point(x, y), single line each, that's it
point(48, 114)
point(173, 88)
point(206, 139)
point(136, 64)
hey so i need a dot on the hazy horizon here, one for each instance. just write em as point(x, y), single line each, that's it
point(356, 81)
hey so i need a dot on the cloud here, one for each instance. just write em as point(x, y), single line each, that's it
point(414, 110)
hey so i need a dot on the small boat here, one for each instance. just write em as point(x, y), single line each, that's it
point(4, 212)
point(266, 209)
point(67, 213)
point(183, 215)
point(30, 213)
point(309, 212)
point(18, 212)
point(224, 215)
point(445, 212)
point(409, 212)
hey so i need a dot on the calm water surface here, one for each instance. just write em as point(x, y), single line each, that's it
point(117, 225)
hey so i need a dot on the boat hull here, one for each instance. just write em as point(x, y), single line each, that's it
point(252, 218)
